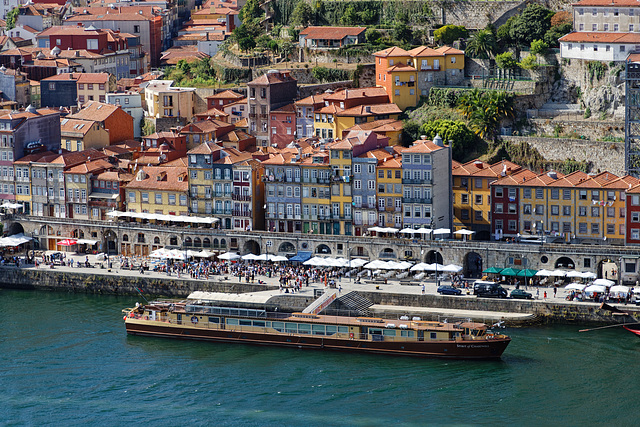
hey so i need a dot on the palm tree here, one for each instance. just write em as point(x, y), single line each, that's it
point(482, 44)
point(469, 101)
point(486, 110)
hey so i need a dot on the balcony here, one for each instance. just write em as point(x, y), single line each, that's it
point(221, 211)
point(240, 212)
point(423, 200)
point(241, 197)
point(358, 221)
point(416, 181)
point(252, 115)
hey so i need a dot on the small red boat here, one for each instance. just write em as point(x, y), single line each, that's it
point(635, 331)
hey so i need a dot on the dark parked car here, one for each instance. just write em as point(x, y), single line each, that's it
point(519, 293)
point(448, 290)
point(489, 290)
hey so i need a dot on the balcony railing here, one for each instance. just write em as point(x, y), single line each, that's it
point(423, 200)
point(241, 197)
point(416, 181)
point(240, 212)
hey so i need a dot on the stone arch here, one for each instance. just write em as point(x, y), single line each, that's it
point(323, 249)
point(173, 240)
point(472, 265)
point(387, 253)
point(565, 262)
point(250, 247)
point(287, 247)
point(197, 242)
point(188, 242)
point(14, 228)
point(433, 256)
point(216, 243)
point(156, 240)
point(359, 251)
point(206, 242)
point(77, 233)
point(223, 243)
point(125, 237)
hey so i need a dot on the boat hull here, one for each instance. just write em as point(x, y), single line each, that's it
point(459, 349)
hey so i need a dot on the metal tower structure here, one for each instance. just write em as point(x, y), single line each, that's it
point(632, 116)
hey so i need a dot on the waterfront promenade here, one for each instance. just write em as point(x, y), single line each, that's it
point(392, 299)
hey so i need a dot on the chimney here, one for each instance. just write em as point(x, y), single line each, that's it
point(438, 141)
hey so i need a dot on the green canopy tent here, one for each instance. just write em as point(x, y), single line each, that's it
point(492, 270)
point(527, 273)
point(510, 272)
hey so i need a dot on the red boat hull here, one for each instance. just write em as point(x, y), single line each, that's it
point(635, 331)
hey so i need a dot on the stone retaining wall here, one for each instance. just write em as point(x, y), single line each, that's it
point(604, 156)
point(13, 278)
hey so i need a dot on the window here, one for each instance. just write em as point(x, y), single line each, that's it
point(582, 228)
point(464, 199)
point(555, 210)
point(539, 209)
point(512, 225)
point(635, 216)
point(582, 211)
point(526, 209)
point(92, 44)
point(478, 199)
point(499, 192)
point(555, 193)
point(136, 28)
point(464, 214)
point(595, 228)
point(478, 215)
point(595, 211)
point(499, 208)
point(526, 193)
point(566, 210)
point(499, 225)
point(539, 193)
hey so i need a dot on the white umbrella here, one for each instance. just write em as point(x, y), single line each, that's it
point(423, 231)
point(558, 273)
point(441, 231)
point(390, 230)
point(464, 232)
point(544, 273)
point(206, 254)
point(375, 264)
point(434, 267)
point(159, 253)
point(229, 256)
point(452, 268)
point(574, 274)
point(619, 289)
point(588, 275)
point(604, 282)
point(421, 266)
point(279, 258)
point(192, 254)
point(358, 262)
point(376, 229)
point(595, 288)
point(249, 257)
point(264, 257)
point(575, 286)
point(404, 265)
point(408, 230)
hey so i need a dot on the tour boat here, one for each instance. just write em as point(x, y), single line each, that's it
point(198, 320)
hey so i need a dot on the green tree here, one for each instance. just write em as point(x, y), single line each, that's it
point(463, 139)
point(251, 10)
point(482, 44)
point(450, 33)
point(485, 111)
point(372, 35)
point(12, 16)
point(402, 32)
point(147, 127)
point(529, 63)
point(530, 25)
point(302, 14)
point(506, 61)
point(551, 37)
point(504, 33)
point(245, 39)
point(539, 47)
point(350, 17)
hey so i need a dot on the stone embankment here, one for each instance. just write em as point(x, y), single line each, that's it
point(389, 303)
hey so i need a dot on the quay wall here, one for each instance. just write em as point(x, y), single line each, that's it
point(97, 283)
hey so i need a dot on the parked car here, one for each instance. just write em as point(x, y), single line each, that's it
point(519, 293)
point(489, 290)
point(448, 290)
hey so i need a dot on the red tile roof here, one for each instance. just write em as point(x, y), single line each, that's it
point(331, 33)
point(597, 37)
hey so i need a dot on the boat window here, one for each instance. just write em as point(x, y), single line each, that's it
point(278, 326)
point(405, 333)
point(331, 329)
point(259, 323)
point(433, 335)
point(318, 329)
point(232, 322)
point(291, 327)
point(233, 312)
point(304, 328)
point(244, 322)
point(375, 331)
point(389, 332)
point(214, 320)
point(343, 329)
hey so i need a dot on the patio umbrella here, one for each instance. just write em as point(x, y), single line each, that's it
point(229, 256)
point(574, 274)
point(575, 287)
point(596, 288)
point(279, 258)
point(67, 242)
point(403, 265)
point(464, 232)
point(434, 267)
point(558, 273)
point(408, 230)
point(604, 282)
point(619, 289)
point(510, 272)
point(206, 254)
point(588, 275)
point(358, 262)
point(249, 257)
point(526, 273)
point(493, 270)
point(544, 272)
point(423, 231)
point(441, 231)
point(452, 268)
point(421, 266)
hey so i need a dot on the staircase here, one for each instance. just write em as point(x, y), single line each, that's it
point(322, 302)
point(353, 301)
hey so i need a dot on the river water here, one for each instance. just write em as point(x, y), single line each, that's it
point(65, 359)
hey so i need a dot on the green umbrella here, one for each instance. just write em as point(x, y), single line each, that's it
point(493, 270)
point(526, 273)
point(510, 272)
